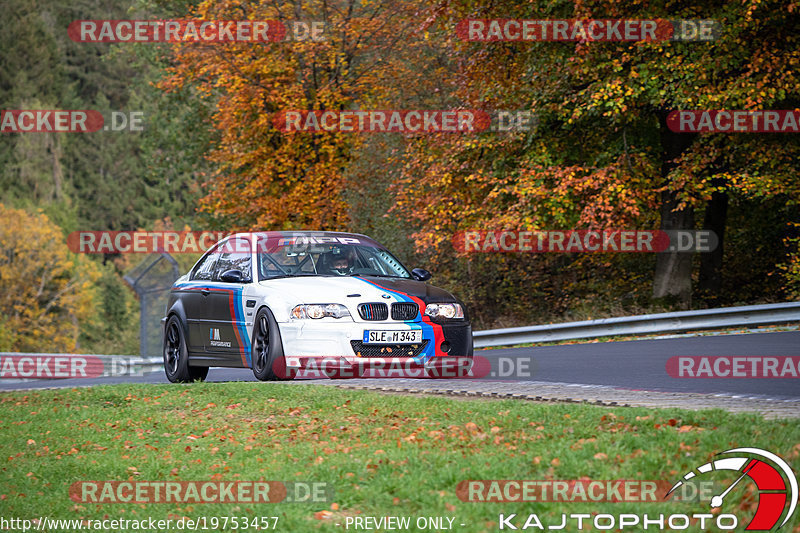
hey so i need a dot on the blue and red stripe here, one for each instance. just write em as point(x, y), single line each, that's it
point(236, 313)
point(430, 330)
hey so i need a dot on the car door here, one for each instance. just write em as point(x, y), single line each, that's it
point(195, 297)
point(227, 337)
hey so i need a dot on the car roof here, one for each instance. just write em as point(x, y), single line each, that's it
point(278, 235)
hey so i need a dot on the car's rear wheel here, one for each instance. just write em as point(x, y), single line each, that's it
point(269, 363)
point(176, 355)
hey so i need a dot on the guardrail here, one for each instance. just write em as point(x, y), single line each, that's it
point(751, 315)
point(26, 366)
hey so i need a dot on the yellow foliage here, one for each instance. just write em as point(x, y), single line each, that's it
point(45, 290)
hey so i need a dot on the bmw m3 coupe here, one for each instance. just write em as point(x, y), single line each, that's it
point(276, 302)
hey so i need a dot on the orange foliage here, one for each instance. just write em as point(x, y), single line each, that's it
point(271, 180)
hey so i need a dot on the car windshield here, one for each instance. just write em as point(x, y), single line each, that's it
point(334, 259)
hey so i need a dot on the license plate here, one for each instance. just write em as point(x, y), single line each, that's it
point(408, 336)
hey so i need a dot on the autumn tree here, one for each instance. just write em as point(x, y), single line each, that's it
point(603, 155)
point(45, 290)
point(265, 178)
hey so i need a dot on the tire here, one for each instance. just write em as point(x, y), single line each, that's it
point(176, 355)
point(267, 353)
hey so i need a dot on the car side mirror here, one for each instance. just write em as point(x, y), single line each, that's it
point(232, 276)
point(420, 274)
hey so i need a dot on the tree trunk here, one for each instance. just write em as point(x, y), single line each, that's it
point(673, 275)
point(710, 281)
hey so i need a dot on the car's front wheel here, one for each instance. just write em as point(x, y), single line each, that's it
point(269, 363)
point(176, 355)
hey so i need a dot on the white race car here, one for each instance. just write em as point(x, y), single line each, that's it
point(278, 302)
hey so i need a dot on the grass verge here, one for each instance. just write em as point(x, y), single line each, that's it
point(385, 455)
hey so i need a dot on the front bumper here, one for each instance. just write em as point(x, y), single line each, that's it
point(379, 367)
point(304, 339)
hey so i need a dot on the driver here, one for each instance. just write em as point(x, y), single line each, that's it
point(342, 263)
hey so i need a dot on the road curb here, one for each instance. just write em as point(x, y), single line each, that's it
point(599, 395)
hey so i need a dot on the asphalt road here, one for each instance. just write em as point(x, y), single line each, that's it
point(641, 365)
point(637, 365)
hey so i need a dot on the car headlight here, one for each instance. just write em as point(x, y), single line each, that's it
point(444, 311)
point(316, 311)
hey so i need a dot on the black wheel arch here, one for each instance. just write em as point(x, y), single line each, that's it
point(177, 310)
point(260, 308)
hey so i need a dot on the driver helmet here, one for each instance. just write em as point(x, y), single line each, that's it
point(341, 262)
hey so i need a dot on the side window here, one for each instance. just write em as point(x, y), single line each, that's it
point(205, 268)
point(235, 255)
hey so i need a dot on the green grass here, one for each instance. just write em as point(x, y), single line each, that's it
point(384, 454)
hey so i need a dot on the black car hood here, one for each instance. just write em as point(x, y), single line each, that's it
point(417, 289)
